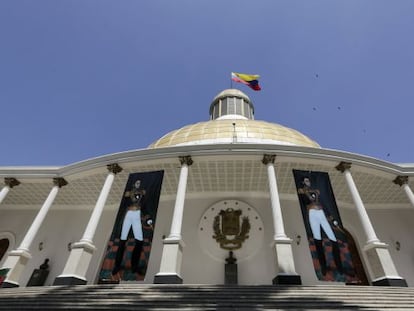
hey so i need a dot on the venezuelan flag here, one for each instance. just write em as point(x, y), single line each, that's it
point(251, 81)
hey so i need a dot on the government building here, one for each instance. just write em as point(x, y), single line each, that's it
point(231, 200)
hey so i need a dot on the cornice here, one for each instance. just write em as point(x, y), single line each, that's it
point(298, 152)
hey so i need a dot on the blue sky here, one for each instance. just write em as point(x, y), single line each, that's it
point(83, 78)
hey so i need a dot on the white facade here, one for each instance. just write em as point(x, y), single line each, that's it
point(231, 172)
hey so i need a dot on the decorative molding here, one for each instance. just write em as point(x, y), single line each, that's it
point(186, 160)
point(114, 168)
point(210, 228)
point(401, 180)
point(227, 223)
point(343, 166)
point(268, 158)
point(11, 182)
point(60, 182)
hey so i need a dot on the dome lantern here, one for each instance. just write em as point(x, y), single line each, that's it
point(231, 104)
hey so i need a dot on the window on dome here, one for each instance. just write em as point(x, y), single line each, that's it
point(216, 111)
point(223, 107)
point(239, 105)
point(247, 110)
point(231, 106)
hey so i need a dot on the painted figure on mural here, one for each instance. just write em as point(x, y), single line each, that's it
point(132, 220)
point(317, 216)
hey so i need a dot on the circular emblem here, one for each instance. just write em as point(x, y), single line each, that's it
point(231, 225)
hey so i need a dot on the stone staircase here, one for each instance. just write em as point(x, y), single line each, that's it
point(206, 297)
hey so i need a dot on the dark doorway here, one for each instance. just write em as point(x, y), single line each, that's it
point(4, 246)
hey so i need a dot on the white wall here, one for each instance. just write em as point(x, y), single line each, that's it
point(199, 268)
point(63, 226)
point(397, 225)
point(59, 228)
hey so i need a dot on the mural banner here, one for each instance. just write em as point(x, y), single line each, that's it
point(327, 238)
point(129, 246)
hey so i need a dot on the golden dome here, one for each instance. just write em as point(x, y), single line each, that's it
point(232, 121)
point(234, 131)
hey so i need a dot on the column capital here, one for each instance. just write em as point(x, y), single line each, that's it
point(60, 182)
point(268, 158)
point(343, 166)
point(114, 168)
point(186, 160)
point(11, 182)
point(401, 180)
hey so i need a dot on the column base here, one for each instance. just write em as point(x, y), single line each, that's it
point(14, 266)
point(170, 262)
point(69, 280)
point(8, 285)
point(287, 279)
point(390, 282)
point(286, 272)
point(77, 264)
point(168, 279)
point(382, 266)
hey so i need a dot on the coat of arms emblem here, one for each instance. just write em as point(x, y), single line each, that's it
point(229, 230)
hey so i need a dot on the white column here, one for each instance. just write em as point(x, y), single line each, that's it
point(3, 193)
point(409, 193)
point(99, 206)
point(175, 231)
point(285, 265)
point(403, 182)
point(362, 213)
point(383, 271)
point(37, 222)
point(278, 226)
point(10, 183)
point(170, 267)
point(17, 259)
point(81, 253)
